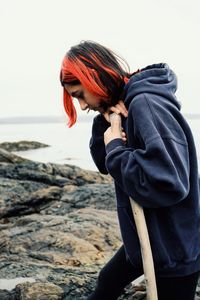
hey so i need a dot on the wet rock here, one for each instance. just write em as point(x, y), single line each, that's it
point(7, 295)
point(7, 157)
point(21, 145)
point(29, 187)
point(99, 196)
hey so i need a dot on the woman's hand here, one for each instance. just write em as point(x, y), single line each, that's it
point(119, 108)
point(115, 130)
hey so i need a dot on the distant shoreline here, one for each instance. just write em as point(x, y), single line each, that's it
point(60, 119)
point(41, 119)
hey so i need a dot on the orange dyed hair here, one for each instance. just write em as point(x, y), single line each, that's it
point(97, 68)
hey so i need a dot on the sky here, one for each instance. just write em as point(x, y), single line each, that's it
point(36, 34)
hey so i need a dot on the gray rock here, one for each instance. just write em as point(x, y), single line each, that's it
point(58, 225)
point(58, 221)
point(21, 145)
point(7, 157)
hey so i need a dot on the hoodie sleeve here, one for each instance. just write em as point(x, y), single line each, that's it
point(157, 174)
point(97, 146)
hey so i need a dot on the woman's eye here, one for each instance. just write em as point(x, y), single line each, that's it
point(80, 96)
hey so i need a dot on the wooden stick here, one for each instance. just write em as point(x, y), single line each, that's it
point(138, 213)
point(147, 257)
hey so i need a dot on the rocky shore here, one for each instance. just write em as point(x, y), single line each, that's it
point(22, 145)
point(58, 226)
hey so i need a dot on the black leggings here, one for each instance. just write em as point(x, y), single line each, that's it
point(119, 272)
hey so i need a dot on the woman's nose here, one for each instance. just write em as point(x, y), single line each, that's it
point(83, 104)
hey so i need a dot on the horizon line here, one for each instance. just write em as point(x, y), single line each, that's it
point(40, 119)
point(61, 119)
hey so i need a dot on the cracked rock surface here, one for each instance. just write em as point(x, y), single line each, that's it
point(58, 227)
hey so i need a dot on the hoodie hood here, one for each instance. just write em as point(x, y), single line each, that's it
point(157, 79)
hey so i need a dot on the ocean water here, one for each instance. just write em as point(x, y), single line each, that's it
point(69, 146)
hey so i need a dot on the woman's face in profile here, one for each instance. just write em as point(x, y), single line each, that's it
point(87, 101)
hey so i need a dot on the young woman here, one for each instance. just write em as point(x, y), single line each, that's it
point(150, 153)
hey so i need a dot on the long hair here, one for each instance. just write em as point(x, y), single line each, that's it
point(102, 72)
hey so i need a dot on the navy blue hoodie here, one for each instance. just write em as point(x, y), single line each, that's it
point(157, 167)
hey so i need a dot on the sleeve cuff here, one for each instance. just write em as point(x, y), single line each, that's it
point(113, 144)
